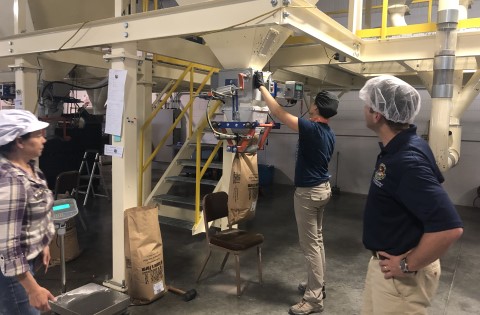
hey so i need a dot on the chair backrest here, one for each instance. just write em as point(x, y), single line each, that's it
point(215, 206)
point(67, 181)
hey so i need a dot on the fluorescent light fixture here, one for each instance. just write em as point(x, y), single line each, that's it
point(268, 41)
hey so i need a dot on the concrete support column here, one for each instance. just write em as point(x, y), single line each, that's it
point(355, 13)
point(26, 82)
point(19, 16)
point(144, 96)
point(124, 169)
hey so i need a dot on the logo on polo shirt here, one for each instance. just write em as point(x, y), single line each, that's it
point(380, 173)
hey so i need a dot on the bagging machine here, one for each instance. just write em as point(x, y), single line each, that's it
point(246, 125)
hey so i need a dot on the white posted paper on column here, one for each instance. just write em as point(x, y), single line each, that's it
point(115, 101)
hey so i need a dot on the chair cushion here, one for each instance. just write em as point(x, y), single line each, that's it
point(236, 239)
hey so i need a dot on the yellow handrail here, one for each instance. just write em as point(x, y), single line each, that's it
point(198, 157)
point(384, 32)
point(142, 166)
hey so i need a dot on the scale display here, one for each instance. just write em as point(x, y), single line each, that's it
point(64, 209)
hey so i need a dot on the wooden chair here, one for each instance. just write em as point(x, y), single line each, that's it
point(235, 241)
point(66, 185)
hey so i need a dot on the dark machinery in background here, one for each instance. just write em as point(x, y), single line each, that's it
point(7, 91)
point(69, 135)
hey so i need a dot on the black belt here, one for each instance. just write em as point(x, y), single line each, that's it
point(376, 255)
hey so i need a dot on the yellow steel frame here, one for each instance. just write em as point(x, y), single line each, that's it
point(384, 32)
point(190, 68)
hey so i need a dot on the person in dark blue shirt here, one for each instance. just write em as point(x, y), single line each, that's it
point(409, 220)
point(316, 142)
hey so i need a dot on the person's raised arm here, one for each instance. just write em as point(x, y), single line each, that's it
point(285, 117)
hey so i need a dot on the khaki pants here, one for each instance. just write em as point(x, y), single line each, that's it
point(409, 295)
point(309, 203)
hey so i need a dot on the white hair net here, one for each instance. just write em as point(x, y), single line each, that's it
point(395, 99)
point(16, 122)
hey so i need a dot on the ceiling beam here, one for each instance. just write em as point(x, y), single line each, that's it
point(181, 49)
point(322, 28)
point(170, 22)
point(306, 55)
point(414, 48)
point(328, 75)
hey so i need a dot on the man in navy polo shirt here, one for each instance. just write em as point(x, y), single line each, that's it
point(409, 220)
point(316, 142)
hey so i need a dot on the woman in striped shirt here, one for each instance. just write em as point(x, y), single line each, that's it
point(26, 225)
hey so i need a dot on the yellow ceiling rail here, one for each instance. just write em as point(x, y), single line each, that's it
point(375, 7)
point(398, 30)
point(385, 32)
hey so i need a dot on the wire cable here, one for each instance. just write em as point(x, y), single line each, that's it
point(78, 30)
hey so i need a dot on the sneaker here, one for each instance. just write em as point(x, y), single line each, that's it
point(302, 286)
point(304, 308)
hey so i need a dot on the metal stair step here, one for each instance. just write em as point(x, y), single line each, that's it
point(190, 180)
point(187, 162)
point(184, 224)
point(204, 145)
point(176, 199)
point(179, 145)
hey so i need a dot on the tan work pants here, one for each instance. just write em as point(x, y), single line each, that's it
point(309, 204)
point(408, 295)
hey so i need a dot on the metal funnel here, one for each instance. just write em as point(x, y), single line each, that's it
point(247, 47)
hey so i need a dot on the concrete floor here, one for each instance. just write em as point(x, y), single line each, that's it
point(283, 266)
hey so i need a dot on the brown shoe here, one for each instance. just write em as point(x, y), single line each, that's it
point(302, 286)
point(304, 308)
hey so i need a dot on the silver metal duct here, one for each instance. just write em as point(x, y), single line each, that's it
point(443, 83)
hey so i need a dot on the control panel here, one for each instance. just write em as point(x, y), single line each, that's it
point(7, 91)
point(293, 90)
point(64, 209)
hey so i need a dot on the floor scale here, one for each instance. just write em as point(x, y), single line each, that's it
point(90, 299)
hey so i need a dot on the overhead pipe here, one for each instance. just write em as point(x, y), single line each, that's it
point(397, 10)
point(462, 10)
point(465, 97)
point(441, 138)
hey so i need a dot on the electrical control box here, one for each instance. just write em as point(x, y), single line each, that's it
point(293, 90)
point(7, 91)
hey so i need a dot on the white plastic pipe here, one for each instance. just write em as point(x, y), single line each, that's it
point(397, 14)
point(445, 147)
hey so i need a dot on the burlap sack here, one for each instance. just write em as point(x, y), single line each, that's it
point(144, 272)
point(243, 190)
point(72, 249)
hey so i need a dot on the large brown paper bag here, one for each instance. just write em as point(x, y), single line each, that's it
point(72, 249)
point(144, 272)
point(243, 190)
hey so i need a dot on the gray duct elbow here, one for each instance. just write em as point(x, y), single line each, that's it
point(455, 138)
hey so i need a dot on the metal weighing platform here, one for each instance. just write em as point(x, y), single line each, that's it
point(90, 299)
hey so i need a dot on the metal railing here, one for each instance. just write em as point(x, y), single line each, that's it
point(385, 31)
point(190, 68)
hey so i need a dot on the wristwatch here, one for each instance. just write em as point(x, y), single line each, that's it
point(404, 266)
